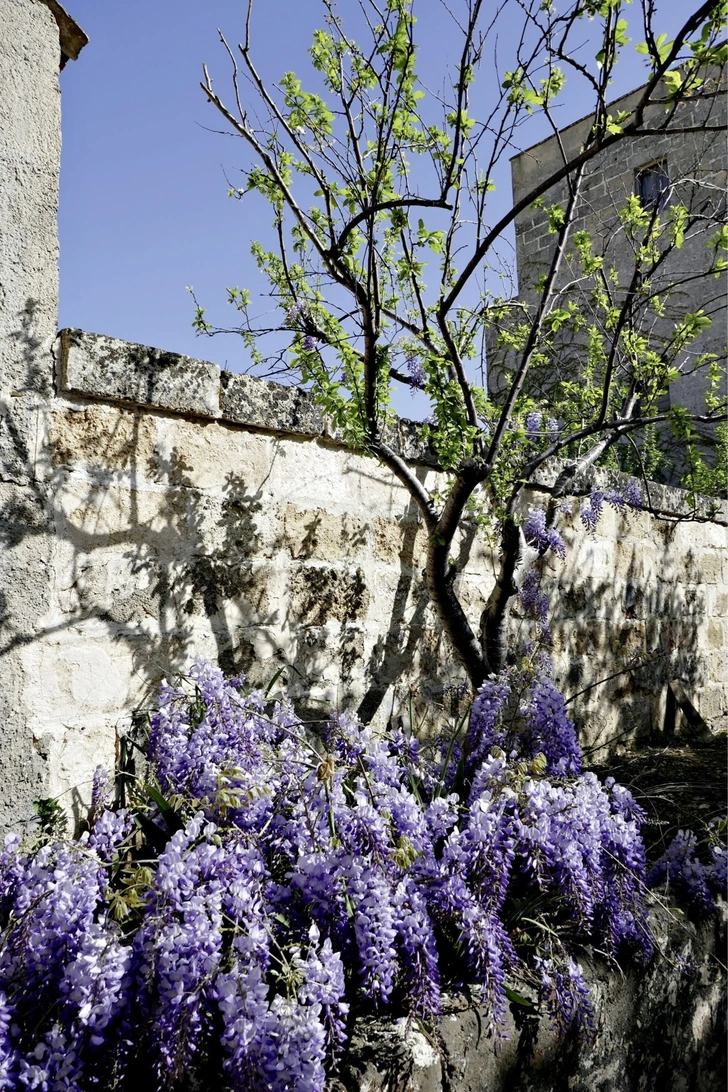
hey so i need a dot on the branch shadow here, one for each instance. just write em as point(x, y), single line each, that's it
point(620, 640)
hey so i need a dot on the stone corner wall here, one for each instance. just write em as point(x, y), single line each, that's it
point(30, 142)
point(72, 38)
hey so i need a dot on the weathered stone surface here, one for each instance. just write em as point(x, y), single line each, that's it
point(662, 1027)
point(403, 438)
point(144, 521)
point(177, 536)
point(410, 446)
point(691, 154)
point(258, 403)
point(320, 594)
point(29, 166)
point(104, 367)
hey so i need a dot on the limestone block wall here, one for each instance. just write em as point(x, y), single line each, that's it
point(189, 512)
point(649, 588)
point(198, 514)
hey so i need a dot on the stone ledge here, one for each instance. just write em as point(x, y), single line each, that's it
point(665, 500)
point(247, 400)
point(656, 1027)
point(104, 367)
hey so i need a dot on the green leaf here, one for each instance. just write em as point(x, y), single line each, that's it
point(518, 998)
point(620, 33)
point(273, 681)
point(172, 820)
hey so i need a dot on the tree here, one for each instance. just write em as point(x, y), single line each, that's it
point(372, 174)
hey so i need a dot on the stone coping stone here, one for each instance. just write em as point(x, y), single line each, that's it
point(104, 367)
point(259, 403)
point(247, 400)
point(657, 1028)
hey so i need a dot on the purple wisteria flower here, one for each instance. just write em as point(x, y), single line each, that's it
point(417, 374)
point(534, 602)
point(590, 509)
point(550, 731)
point(632, 495)
point(543, 537)
point(565, 995)
point(539, 427)
point(683, 874)
point(486, 731)
point(295, 311)
point(100, 791)
point(533, 426)
point(265, 879)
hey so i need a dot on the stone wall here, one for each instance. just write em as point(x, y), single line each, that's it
point(153, 508)
point(662, 1027)
point(189, 512)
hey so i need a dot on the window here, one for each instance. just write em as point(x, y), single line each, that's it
point(652, 185)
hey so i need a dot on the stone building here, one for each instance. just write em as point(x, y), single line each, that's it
point(688, 168)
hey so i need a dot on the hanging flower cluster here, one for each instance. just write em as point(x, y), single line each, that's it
point(540, 535)
point(264, 884)
point(416, 371)
point(590, 509)
point(540, 428)
point(683, 874)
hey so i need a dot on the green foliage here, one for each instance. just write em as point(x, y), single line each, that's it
point(52, 819)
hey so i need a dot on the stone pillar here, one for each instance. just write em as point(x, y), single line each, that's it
point(34, 43)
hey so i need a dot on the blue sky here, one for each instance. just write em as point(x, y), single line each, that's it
point(144, 210)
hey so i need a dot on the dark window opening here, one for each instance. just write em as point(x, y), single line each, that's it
point(652, 185)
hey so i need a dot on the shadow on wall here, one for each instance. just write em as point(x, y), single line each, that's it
point(25, 528)
point(164, 544)
point(170, 537)
point(618, 644)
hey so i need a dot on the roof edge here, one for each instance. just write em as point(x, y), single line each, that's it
point(578, 121)
point(72, 38)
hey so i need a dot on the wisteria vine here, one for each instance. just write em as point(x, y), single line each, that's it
point(265, 884)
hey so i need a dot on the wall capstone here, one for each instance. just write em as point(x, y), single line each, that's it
point(247, 401)
point(103, 367)
point(97, 366)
